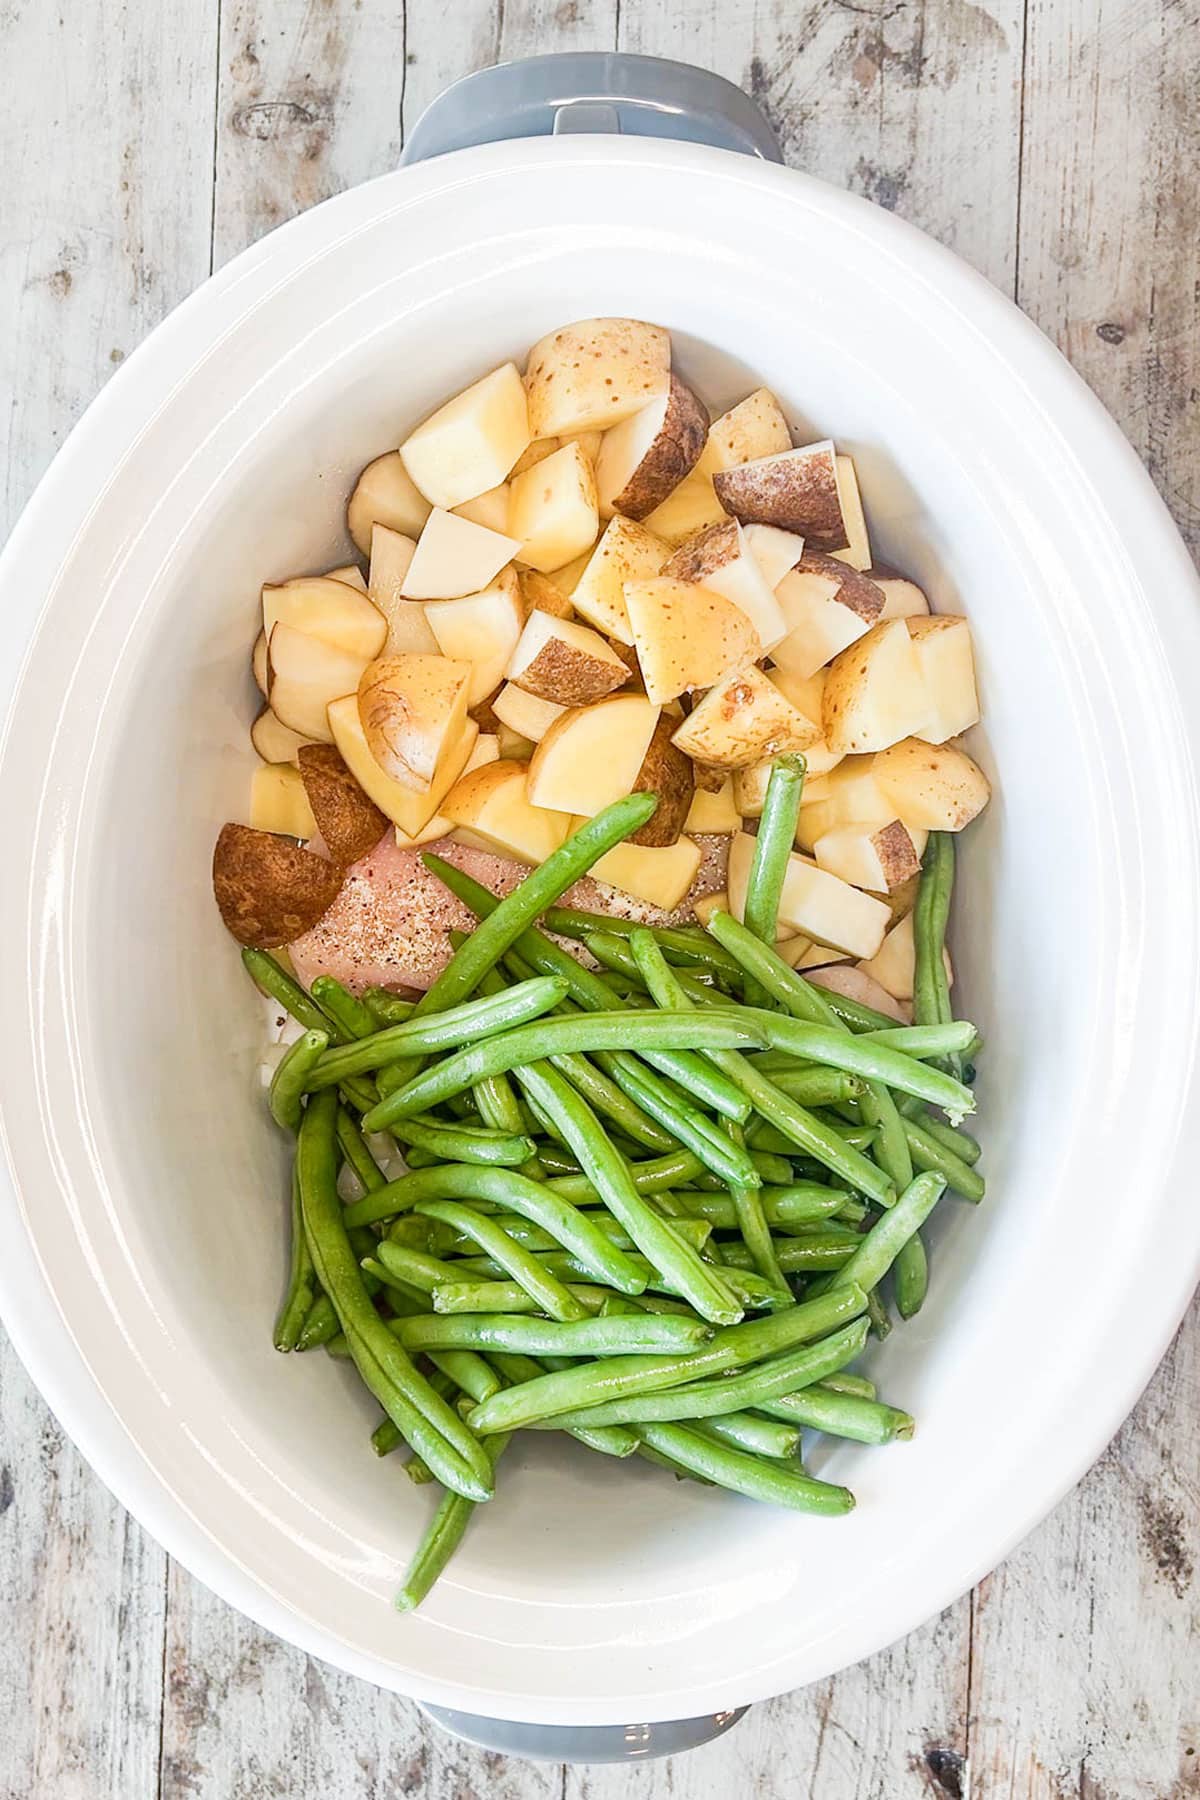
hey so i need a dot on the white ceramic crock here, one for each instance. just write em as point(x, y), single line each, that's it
point(141, 1238)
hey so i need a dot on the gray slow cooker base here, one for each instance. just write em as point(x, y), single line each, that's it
point(585, 1743)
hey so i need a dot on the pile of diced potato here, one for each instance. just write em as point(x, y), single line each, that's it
point(579, 587)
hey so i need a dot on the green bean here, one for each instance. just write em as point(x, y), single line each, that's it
point(802, 1203)
point(488, 1296)
point(930, 1152)
point(676, 1260)
point(761, 1437)
point(385, 1438)
point(320, 1325)
point(747, 1388)
point(684, 942)
point(441, 1540)
point(617, 1377)
point(863, 1055)
point(266, 973)
point(953, 1138)
point(474, 1019)
point(465, 1143)
point(387, 1008)
point(302, 1281)
point(544, 1288)
point(910, 1277)
point(467, 1370)
point(666, 1171)
point(878, 1249)
point(785, 985)
point(604, 1096)
point(357, 1153)
point(931, 989)
point(516, 1193)
point(610, 1440)
point(772, 848)
point(645, 1336)
point(758, 1478)
point(724, 1160)
point(748, 1287)
point(816, 1250)
point(815, 1086)
point(430, 1426)
point(844, 1382)
point(925, 1041)
point(822, 1408)
point(416, 1267)
point(291, 1077)
point(696, 1231)
point(355, 1018)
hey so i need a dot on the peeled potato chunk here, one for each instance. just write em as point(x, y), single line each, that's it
point(813, 902)
point(274, 741)
point(304, 675)
point(806, 695)
point(644, 459)
point(327, 609)
point(741, 720)
point(850, 795)
point(715, 814)
point(752, 429)
point(385, 494)
point(594, 373)
point(258, 664)
point(411, 708)
point(486, 750)
point(553, 511)
point(853, 982)
point(858, 547)
point(879, 858)
point(408, 629)
point(894, 965)
point(947, 664)
point(686, 636)
point(455, 557)
point(660, 877)
point(408, 808)
point(564, 662)
point(774, 550)
point(278, 801)
point(720, 559)
point(490, 809)
point(687, 510)
point(489, 508)
point(667, 773)
point(481, 629)
point(524, 713)
point(349, 573)
point(627, 551)
point(874, 692)
point(469, 445)
point(267, 888)
point(346, 816)
point(705, 905)
point(795, 489)
point(592, 755)
point(935, 787)
point(827, 607)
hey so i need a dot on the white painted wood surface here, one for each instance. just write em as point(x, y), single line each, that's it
point(1056, 145)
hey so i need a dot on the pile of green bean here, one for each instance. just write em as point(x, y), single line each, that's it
point(657, 1202)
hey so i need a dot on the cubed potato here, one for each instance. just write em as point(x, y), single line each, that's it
point(754, 428)
point(408, 808)
point(795, 489)
point(326, 609)
point(469, 445)
point(687, 637)
point(489, 508)
point(720, 560)
point(385, 494)
point(564, 662)
point(412, 708)
point(589, 442)
point(874, 692)
point(849, 795)
point(813, 903)
point(268, 889)
point(486, 750)
point(541, 593)
point(644, 459)
point(408, 629)
point(552, 511)
point(304, 674)
point(524, 713)
point(705, 905)
point(827, 607)
point(455, 557)
point(481, 629)
point(348, 820)
point(902, 598)
point(592, 755)
point(774, 550)
point(713, 815)
point(594, 373)
point(691, 507)
point(667, 773)
point(490, 810)
point(278, 801)
point(348, 572)
point(894, 965)
point(851, 981)
point(660, 877)
point(806, 695)
point(258, 664)
point(537, 452)
point(514, 745)
point(947, 664)
point(274, 741)
point(626, 552)
point(858, 548)
point(879, 858)
point(936, 787)
point(741, 720)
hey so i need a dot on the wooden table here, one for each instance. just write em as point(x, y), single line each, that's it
point(1056, 145)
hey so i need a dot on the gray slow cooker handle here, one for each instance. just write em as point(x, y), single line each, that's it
point(640, 96)
point(592, 91)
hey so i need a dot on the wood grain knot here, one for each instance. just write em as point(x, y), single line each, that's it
point(1111, 334)
point(944, 1770)
point(277, 121)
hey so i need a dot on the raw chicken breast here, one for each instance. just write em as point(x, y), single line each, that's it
point(388, 926)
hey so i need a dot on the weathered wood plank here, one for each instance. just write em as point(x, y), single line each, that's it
point(105, 229)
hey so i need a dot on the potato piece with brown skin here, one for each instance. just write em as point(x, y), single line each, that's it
point(274, 741)
point(935, 787)
point(646, 457)
point(267, 888)
point(875, 693)
point(902, 598)
point(796, 489)
point(754, 428)
point(258, 664)
point(827, 606)
point(411, 708)
point(742, 720)
point(876, 858)
point(347, 818)
point(565, 662)
point(666, 772)
point(687, 636)
point(594, 373)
